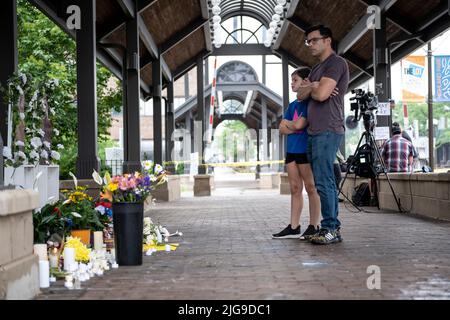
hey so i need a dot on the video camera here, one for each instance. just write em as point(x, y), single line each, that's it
point(365, 103)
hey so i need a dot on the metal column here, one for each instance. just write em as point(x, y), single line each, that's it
point(382, 69)
point(265, 145)
point(170, 126)
point(131, 112)
point(285, 68)
point(201, 114)
point(430, 109)
point(88, 159)
point(8, 55)
point(157, 116)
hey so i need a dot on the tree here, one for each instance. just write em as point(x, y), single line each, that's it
point(46, 52)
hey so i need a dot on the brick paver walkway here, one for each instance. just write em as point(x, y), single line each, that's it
point(226, 252)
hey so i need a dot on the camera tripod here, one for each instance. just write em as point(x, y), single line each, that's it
point(374, 151)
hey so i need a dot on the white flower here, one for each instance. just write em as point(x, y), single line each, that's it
point(20, 154)
point(148, 221)
point(47, 144)
point(55, 82)
point(56, 132)
point(148, 164)
point(149, 239)
point(22, 116)
point(44, 154)
point(60, 146)
point(20, 90)
point(153, 178)
point(41, 132)
point(7, 152)
point(34, 154)
point(52, 111)
point(97, 178)
point(36, 142)
point(34, 115)
point(55, 155)
point(158, 169)
point(100, 209)
point(27, 130)
point(19, 143)
point(76, 214)
point(23, 76)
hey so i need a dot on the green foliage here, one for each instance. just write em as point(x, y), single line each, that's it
point(47, 222)
point(46, 52)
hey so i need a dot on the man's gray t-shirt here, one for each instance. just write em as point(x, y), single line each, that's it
point(329, 114)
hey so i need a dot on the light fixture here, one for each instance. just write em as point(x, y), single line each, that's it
point(280, 2)
point(273, 25)
point(268, 43)
point(217, 19)
point(216, 10)
point(217, 2)
point(279, 9)
point(216, 26)
point(276, 17)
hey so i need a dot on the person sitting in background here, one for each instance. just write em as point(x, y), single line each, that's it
point(397, 152)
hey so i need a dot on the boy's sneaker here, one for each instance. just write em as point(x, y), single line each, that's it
point(325, 237)
point(311, 231)
point(288, 233)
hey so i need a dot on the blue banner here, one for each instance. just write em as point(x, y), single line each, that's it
point(442, 78)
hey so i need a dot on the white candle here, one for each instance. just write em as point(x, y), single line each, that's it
point(149, 252)
point(44, 274)
point(98, 240)
point(115, 265)
point(69, 258)
point(41, 251)
point(53, 257)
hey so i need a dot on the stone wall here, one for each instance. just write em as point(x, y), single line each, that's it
point(425, 194)
point(19, 274)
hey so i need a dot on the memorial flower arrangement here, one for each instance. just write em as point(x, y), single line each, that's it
point(30, 131)
point(135, 187)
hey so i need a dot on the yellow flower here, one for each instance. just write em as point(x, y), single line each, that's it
point(81, 251)
point(112, 187)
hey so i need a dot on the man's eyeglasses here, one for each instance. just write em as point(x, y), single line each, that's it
point(309, 42)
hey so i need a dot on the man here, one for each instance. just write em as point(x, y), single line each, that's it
point(397, 152)
point(326, 126)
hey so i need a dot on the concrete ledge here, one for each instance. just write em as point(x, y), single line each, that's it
point(265, 180)
point(18, 265)
point(17, 201)
point(425, 194)
point(202, 185)
point(276, 180)
point(169, 190)
point(285, 187)
point(19, 279)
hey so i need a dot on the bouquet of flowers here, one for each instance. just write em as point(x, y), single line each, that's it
point(131, 187)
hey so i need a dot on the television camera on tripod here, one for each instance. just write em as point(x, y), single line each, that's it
point(367, 161)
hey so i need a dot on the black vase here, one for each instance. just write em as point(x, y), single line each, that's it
point(128, 220)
